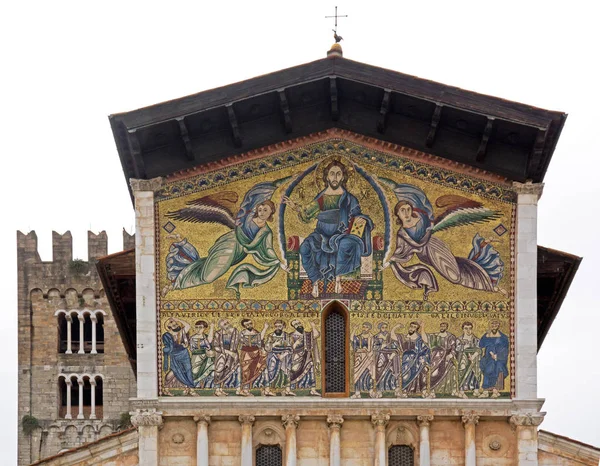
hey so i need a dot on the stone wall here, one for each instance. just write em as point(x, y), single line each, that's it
point(44, 288)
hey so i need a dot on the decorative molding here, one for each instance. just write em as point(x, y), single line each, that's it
point(380, 420)
point(335, 421)
point(424, 420)
point(528, 188)
point(178, 438)
point(290, 420)
point(203, 418)
point(153, 184)
point(146, 417)
point(495, 445)
point(246, 419)
point(468, 419)
point(525, 420)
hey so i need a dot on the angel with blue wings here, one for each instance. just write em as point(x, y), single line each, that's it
point(250, 235)
point(481, 270)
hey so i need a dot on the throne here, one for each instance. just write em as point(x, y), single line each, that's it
point(365, 283)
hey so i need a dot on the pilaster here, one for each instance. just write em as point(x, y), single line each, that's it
point(469, 422)
point(526, 289)
point(526, 426)
point(247, 457)
point(147, 376)
point(380, 421)
point(202, 423)
point(335, 421)
point(148, 422)
point(424, 448)
point(290, 423)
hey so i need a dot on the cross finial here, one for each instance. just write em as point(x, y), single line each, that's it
point(335, 34)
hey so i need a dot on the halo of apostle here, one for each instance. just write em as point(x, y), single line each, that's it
point(283, 357)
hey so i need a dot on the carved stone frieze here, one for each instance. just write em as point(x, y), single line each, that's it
point(470, 418)
point(529, 188)
point(246, 419)
point(203, 418)
point(424, 420)
point(335, 421)
point(153, 184)
point(525, 420)
point(290, 420)
point(146, 417)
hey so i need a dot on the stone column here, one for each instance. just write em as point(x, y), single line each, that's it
point(81, 336)
point(335, 422)
point(526, 290)
point(145, 286)
point(80, 415)
point(202, 423)
point(424, 450)
point(69, 388)
point(93, 393)
point(148, 421)
point(290, 422)
point(470, 421)
point(379, 421)
point(94, 323)
point(69, 322)
point(527, 438)
point(247, 457)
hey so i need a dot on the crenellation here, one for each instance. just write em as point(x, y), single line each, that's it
point(62, 247)
point(97, 245)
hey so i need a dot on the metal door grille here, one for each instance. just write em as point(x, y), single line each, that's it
point(401, 455)
point(335, 353)
point(268, 455)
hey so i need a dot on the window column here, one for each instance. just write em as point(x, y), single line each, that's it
point(380, 421)
point(93, 394)
point(94, 323)
point(81, 334)
point(80, 415)
point(69, 322)
point(69, 386)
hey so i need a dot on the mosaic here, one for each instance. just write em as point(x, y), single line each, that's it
point(420, 256)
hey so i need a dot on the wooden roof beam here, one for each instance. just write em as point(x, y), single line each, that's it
point(333, 97)
point(133, 141)
point(383, 112)
point(185, 136)
point(537, 151)
point(285, 111)
point(433, 126)
point(235, 129)
point(485, 137)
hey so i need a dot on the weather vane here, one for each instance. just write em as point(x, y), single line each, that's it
point(335, 34)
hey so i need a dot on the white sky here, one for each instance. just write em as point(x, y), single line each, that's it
point(68, 65)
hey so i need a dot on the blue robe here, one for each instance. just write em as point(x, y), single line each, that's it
point(494, 371)
point(177, 359)
point(331, 251)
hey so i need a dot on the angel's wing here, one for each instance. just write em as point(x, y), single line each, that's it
point(257, 194)
point(215, 208)
point(461, 211)
point(411, 194)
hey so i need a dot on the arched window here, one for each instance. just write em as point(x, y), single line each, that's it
point(401, 455)
point(268, 455)
point(63, 342)
point(80, 394)
point(335, 349)
point(80, 330)
point(99, 332)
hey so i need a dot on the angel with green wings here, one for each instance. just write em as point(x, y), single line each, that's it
point(250, 235)
point(481, 270)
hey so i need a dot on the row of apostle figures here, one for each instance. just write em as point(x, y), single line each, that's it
point(401, 362)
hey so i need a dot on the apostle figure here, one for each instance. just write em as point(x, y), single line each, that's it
point(279, 355)
point(176, 358)
point(468, 351)
point(305, 357)
point(227, 362)
point(493, 361)
point(253, 359)
point(443, 361)
point(362, 347)
point(416, 357)
point(387, 360)
point(342, 235)
point(203, 356)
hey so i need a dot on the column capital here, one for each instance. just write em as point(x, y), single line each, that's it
point(528, 188)
point(202, 419)
point(335, 421)
point(380, 419)
point(424, 420)
point(468, 419)
point(146, 417)
point(246, 419)
point(152, 184)
point(525, 420)
point(290, 420)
